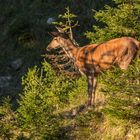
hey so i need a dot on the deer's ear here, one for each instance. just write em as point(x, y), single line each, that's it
point(53, 34)
point(60, 30)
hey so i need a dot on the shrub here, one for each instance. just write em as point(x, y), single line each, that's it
point(123, 88)
point(7, 120)
point(44, 94)
point(121, 20)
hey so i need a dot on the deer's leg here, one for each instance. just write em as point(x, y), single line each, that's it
point(94, 88)
point(91, 90)
point(125, 62)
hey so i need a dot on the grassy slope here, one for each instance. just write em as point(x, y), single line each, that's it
point(99, 124)
point(92, 124)
point(23, 35)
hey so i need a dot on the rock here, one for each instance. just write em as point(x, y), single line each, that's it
point(50, 20)
point(16, 64)
point(5, 81)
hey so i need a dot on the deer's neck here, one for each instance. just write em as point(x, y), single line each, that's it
point(70, 49)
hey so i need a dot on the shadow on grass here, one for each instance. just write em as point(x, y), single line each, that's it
point(79, 117)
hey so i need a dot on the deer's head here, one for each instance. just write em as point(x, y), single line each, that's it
point(59, 39)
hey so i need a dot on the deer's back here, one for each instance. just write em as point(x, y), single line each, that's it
point(103, 56)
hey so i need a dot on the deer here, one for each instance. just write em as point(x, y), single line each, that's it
point(92, 59)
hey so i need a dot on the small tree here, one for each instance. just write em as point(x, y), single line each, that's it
point(123, 87)
point(121, 20)
point(67, 22)
point(44, 94)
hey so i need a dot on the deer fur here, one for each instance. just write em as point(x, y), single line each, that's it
point(94, 58)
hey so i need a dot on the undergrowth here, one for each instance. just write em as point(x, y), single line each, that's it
point(52, 107)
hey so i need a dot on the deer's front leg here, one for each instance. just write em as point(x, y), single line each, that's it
point(92, 83)
point(94, 88)
point(90, 90)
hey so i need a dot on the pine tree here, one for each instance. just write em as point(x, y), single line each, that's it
point(123, 20)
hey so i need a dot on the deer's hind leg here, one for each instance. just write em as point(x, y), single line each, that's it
point(126, 59)
point(125, 62)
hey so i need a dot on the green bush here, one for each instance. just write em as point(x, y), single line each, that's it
point(121, 20)
point(44, 94)
point(7, 120)
point(123, 88)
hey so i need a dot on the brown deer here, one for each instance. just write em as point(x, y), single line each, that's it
point(92, 59)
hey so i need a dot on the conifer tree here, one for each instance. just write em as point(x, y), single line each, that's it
point(123, 20)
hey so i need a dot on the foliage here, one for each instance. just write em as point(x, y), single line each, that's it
point(7, 120)
point(122, 20)
point(124, 90)
point(43, 95)
point(43, 101)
